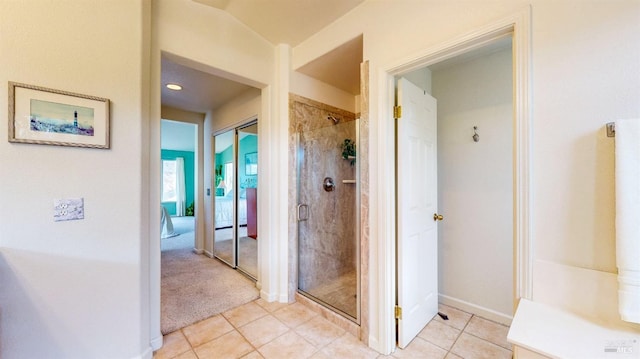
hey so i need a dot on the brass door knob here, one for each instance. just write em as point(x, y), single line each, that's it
point(437, 217)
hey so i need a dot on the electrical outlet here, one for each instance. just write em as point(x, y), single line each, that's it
point(68, 209)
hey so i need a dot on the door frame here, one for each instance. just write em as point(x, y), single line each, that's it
point(517, 25)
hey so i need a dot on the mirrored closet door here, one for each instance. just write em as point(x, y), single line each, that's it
point(236, 183)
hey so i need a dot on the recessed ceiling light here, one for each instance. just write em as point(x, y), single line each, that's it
point(174, 87)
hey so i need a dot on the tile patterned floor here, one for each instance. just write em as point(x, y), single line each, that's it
point(274, 330)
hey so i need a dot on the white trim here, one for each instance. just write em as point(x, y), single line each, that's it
point(279, 185)
point(383, 226)
point(208, 254)
point(523, 225)
point(147, 354)
point(156, 343)
point(475, 309)
point(269, 297)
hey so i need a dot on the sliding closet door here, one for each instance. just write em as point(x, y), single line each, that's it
point(236, 201)
point(225, 225)
point(247, 199)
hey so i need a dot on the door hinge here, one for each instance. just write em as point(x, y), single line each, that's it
point(398, 312)
point(397, 112)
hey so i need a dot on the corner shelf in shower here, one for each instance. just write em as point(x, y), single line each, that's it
point(349, 181)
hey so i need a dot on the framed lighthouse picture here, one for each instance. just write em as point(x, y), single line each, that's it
point(52, 117)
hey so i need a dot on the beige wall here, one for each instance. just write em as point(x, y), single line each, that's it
point(243, 108)
point(309, 87)
point(58, 278)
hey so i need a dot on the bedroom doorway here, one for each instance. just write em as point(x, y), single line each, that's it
point(178, 151)
point(236, 183)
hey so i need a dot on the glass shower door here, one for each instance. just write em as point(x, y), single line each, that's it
point(328, 217)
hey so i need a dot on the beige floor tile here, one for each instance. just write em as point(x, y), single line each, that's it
point(347, 346)
point(452, 356)
point(488, 330)
point(420, 348)
point(206, 330)
point(294, 314)
point(270, 306)
point(321, 355)
point(173, 345)
point(263, 330)
point(457, 318)
point(319, 331)
point(253, 355)
point(469, 346)
point(188, 355)
point(289, 345)
point(231, 345)
point(440, 334)
point(244, 314)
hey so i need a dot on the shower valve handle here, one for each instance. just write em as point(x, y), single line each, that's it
point(303, 215)
point(328, 184)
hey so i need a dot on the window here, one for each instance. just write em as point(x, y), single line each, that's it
point(251, 164)
point(228, 176)
point(169, 181)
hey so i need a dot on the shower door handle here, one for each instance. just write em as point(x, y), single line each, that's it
point(303, 215)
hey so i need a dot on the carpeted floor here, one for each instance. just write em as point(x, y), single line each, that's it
point(195, 287)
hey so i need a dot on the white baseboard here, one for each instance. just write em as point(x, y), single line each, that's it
point(268, 297)
point(375, 345)
point(208, 254)
point(198, 251)
point(147, 354)
point(475, 309)
point(156, 343)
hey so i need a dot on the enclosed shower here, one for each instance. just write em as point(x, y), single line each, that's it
point(328, 205)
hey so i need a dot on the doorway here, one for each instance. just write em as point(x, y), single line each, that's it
point(472, 247)
point(236, 186)
point(178, 152)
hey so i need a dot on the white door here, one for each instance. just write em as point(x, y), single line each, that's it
point(417, 183)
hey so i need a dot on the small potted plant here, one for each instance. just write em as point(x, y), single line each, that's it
point(349, 150)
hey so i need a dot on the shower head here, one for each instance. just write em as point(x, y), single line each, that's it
point(333, 118)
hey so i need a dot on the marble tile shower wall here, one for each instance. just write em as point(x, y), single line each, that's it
point(327, 241)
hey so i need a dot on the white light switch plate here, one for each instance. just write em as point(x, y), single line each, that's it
point(68, 209)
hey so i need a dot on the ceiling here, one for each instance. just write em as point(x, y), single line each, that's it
point(200, 92)
point(285, 21)
point(278, 21)
point(178, 136)
point(339, 67)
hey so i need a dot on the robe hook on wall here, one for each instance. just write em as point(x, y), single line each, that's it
point(476, 137)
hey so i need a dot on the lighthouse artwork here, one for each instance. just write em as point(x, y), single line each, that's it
point(40, 115)
point(61, 118)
